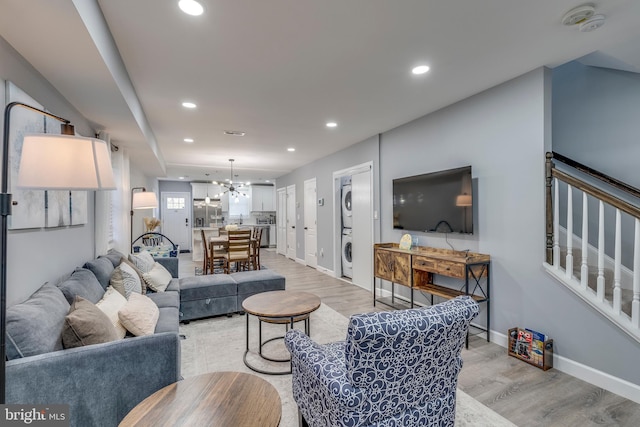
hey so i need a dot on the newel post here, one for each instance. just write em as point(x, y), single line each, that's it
point(549, 207)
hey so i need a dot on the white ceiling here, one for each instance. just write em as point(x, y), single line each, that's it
point(280, 69)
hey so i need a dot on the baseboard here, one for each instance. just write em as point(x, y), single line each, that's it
point(301, 261)
point(585, 373)
point(326, 271)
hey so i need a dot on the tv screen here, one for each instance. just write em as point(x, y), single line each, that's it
point(439, 202)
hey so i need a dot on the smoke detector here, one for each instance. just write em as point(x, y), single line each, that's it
point(592, 24)
point(579, 14)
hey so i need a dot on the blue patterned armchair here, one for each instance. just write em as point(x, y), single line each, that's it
point(397, 368)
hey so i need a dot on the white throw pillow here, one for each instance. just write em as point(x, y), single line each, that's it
point(110, 304)
point(143, 260)
point(139, 315)
point(125, 280)
point(158, 278)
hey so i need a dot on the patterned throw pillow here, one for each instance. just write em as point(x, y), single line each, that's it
point(137, 270)
point(158, 278)
point(143, 260)
point(110, 304)
point(125, 280)
point(139, 315)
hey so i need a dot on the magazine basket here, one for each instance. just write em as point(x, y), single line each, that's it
point(539, 353)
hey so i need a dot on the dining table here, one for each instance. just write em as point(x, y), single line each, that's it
point(222, 241)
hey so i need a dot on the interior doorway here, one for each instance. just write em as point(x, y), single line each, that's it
point(358, 237)
point(281, 217)
point(291, 222)
point(310, 223)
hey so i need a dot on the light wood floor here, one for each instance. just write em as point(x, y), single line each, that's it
point(525, 395)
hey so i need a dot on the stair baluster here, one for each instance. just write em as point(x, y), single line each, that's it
point(617, 292)
point(635, 303)
point(569, 259)
point(556, 223)
point(584, 267)
point(600, 281)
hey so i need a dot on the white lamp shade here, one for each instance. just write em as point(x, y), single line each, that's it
point(463, 200)
point(65, 162)
point(144, 200)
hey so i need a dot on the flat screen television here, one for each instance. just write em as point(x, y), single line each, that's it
point(439, 202)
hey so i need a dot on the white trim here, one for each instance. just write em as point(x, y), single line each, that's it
point(326, 271)
point(585, 373)
point(301, 261)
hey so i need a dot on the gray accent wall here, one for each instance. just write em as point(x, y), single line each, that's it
point(40, 255)
point(503, 133)
point(322, 170)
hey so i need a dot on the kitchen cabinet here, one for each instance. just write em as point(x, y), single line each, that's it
point(263, 198)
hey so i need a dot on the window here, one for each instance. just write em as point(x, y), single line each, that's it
point(176, 203)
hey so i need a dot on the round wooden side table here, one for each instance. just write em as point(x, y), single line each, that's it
point(214, 399)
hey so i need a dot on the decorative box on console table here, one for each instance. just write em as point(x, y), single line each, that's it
point(420, 267)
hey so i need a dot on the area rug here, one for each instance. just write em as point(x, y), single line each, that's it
point(218, 344)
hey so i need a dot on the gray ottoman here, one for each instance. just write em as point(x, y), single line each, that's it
point(208, 295)
point(256, 281)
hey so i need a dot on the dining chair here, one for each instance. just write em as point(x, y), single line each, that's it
point(218, 254)
point(255, 247)
point(207, 261)
point(238, 250)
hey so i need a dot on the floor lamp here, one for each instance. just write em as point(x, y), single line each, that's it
point(464, 201)
point(60, 162)
point(142, 199)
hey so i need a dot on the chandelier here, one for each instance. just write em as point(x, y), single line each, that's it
point(230, 188)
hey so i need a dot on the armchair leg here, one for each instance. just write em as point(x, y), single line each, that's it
point(301, 421)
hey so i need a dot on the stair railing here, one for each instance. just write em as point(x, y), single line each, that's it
point(611, 309)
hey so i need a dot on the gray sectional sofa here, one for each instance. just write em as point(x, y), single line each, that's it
point(103, 382)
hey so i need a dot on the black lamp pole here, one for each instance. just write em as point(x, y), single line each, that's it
point(5, 211)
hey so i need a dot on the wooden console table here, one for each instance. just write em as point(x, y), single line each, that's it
point(417, 267)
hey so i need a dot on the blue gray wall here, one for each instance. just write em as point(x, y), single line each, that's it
point(503, 133)
point(40, 255)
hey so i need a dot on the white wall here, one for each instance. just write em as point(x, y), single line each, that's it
point(40, 255)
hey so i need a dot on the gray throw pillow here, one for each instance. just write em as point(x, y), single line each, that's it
point(35, 326)
point(82, 282)
point(114, 256)
point(86, 324)
point(102, 269)
point(125, 280)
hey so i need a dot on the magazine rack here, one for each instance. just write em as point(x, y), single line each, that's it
point(539, 353)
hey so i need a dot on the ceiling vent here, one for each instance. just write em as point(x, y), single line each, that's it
point(579, 14)
point(234, 133)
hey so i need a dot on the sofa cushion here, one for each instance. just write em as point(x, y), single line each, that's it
point(256, 281)
point(165, 299)
point(114, 256)
point(110, 304)
point(139, 315)
point(84, 283)
point(86, 324)
point(207, 286)
point(158, 278)
point(35, 326)
point(168, 321)
point(174, 285)
point(102, 268)
point(125, 280)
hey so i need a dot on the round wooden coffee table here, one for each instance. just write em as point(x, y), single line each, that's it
point(285, 307)
point(215, 399)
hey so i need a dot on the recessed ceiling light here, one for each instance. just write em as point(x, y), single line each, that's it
point(191, 7)
point(332, 124)
point(189, 105)
point(420, 69)
point(291, 149)
point(234, 132)
point(181, 177)
point(189, 140)
point(267, 181)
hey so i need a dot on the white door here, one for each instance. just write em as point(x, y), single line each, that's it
point(310, 224)
point(291, 221)
point(281, 216)
point(176, 214)
point(362, 231)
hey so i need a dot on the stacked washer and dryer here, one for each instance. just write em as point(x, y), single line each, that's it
point(347, 223)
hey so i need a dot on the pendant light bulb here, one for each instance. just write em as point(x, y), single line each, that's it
point(207, 200)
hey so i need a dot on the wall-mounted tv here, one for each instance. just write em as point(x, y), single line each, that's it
point(439, 202)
